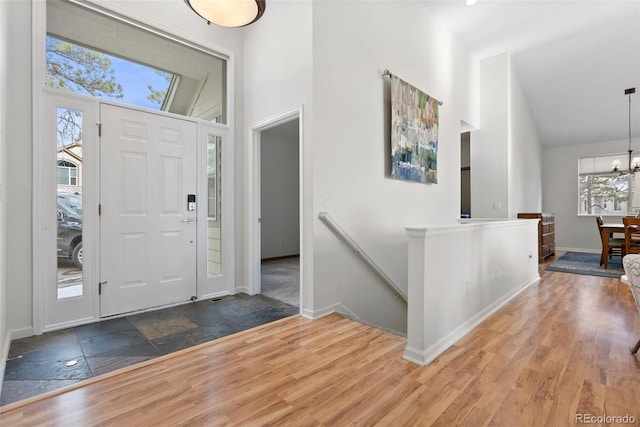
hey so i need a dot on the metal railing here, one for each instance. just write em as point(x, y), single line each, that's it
point(357, 250)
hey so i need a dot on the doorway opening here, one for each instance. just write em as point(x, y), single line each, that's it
point(276, 235)
point(465, 175)
point(280, 212)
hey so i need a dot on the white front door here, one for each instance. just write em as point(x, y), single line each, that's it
point(147, 227)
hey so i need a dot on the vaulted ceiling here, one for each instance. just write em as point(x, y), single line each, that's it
point(574, 60)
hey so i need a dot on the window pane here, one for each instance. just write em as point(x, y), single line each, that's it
point(214, 238)
point(604, 194)
point(63, 175)
point(117, 60)
point(69, 203)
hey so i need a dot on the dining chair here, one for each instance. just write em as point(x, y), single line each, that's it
point(631, 235)
point(631, 264)
point(616, 245)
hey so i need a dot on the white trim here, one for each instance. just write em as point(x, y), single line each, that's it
point(213, 295)
point(210, 285)
point(39, 32)
point(241, 290)
point(589, 251)
point(3, 361)
point(122, 14)
point(49, 312)
point(317, 314)
point(253, 203)
point(425, 357)
point(69, 324)
point(16, 334)
point(346, 312)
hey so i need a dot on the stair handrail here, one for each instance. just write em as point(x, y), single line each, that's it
point(357, 250)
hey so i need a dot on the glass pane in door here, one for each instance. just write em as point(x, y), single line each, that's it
point(69, 202)
point(214, 224)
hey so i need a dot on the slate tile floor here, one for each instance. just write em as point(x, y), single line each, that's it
point(39, 364)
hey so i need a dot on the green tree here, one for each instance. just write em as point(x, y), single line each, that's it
point(79, 69)
point(158, 96)
point(597, 189)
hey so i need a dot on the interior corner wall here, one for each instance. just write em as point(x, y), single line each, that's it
point(525, 153)
point(490, 143)
point(506, 153)
point(4, 107)
point(279, 193)
point(560, 192)
point(352, 46)
point(18, 184)
point(277, 78)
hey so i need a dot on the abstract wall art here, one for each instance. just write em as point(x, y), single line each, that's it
point(414, 133)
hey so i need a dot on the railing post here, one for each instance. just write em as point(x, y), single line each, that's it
point(416, 345)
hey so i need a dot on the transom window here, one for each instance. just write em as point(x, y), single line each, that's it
point(103, 57)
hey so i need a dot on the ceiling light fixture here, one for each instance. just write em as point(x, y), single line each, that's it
point(228, 13)
point(634, 164)
point(470, 2)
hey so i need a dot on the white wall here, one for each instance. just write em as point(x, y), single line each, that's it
point(17, 188)
point(170, 17)
point(493, 262)
point(505, 151)
point(352, 45)
point(560, 192)
point(280, 196)
point(489, 144)
point(525, 152)
point(277, 78)
point(4, 107)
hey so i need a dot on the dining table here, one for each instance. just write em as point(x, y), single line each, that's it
point(607, 231)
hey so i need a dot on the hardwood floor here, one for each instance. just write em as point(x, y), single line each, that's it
point(558, 350)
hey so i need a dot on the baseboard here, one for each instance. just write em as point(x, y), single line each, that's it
point(3, 360)
point(65, 325)
point(588, 251)
point(425, 357)
point(16, 334)
point(345, 312)
point(215, 295)
point(11, 335)
point(317, 314)
point(276, 258)
point(241, 290)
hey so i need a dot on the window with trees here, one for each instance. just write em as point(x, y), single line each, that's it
point(101, 56)
point(80, 69)
point(602, 192)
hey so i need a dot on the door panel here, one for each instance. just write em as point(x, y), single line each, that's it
point(148, 237)
point(65, 202)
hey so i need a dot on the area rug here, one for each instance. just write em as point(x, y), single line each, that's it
point(586, 263)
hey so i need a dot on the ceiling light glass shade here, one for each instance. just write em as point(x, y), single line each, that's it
point(470, 2)
point(616, 165)
point(228, 13)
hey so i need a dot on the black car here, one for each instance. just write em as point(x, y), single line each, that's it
point(70, 227)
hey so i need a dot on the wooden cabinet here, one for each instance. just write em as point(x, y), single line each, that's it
point(546, 233)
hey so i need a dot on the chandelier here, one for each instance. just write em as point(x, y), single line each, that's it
point(634, 164)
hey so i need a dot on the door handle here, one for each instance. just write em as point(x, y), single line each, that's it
point(188, 220)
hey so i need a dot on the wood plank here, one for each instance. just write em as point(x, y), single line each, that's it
point(558, 349)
